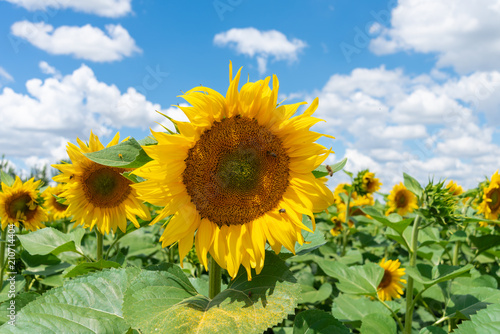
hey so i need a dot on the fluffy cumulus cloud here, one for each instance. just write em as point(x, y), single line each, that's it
point(392, 123)
point(463, 34)
point(107, 8)
point(263, 45)
point(86, 42)
point(57, 110)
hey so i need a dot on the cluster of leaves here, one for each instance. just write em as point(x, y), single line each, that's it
point(328, 286)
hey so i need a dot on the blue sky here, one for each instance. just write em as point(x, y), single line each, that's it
point(405, 86)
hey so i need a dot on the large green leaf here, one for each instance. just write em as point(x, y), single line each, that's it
point(49, 241)
point(468, 301)
point(127, 154)
point(378, 323)
point(361, 280)
point(166, 302)
point(87, 304)
point(311, 295)
point(485, 242)
point(393, 221)
point(353, 308)
point(429, 276)
point(486, 321)
point(317, 322)
point(18, 303)
point(412, 185)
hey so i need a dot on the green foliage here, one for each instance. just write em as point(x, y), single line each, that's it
point(317, 322)
point(324, 170)
point(486, 321)
point(127, 154)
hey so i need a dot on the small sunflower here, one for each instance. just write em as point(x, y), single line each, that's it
point(454, 188)
point(490, 204)
point(355, 204)
point(390, 287)
point(55, 209)
point(20, 203)
point(97, 194)
point(337, 226)
point(342, 189)
point(366, 182)
point(238, 174)
point(401, 200)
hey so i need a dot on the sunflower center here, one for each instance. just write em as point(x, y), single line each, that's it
point(105, 187)
point(401, 199)
point(18, 207)
point(386, 280)
point(58, 206)
point(236, 171)
point(494, 195)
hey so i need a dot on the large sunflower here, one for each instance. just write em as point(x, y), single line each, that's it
point(20, 203)
point(238, 174)
point(97, 194)
point(490, 204)
point(390, 287)
point(401, 200)
point(55, 209)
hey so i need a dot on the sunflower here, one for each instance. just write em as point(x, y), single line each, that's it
point(342, 189)
point(390, 287)
point(337, 226)
point(454, 188)
point(97, 194)
point(490, 204)
point(401, 200)
point(366, 182)
point(238, 174)
point(20, 203)
point(55, 209)
point(354, 207)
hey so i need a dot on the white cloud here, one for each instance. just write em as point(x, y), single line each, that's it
point(57, 110)
point(463, 33)
point(85, 42)
point(263, 45)
point(425, 126)
point(107, 8)
point(47, 69)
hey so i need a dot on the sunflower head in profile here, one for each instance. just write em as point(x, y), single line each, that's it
point(20, 203)
point(391, 285)
point(454, 188)
point(490, 200)
point(401, 200)
point(98, 195)
point(366, 183)
point(238, 174)
point(55, 209)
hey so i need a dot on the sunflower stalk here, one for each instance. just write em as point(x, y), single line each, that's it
point(394, 315)
point(100, 239)
point(214, 278)
point(2, 255)
point(347, 217)
point(409, 286)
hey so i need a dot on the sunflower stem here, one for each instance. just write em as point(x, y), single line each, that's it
point(2, 254)
point(100, 239)
point(409, 286)
point(347, 217)
point(394, 315)
point(214, 278)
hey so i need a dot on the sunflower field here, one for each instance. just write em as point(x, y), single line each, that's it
point(227, 225)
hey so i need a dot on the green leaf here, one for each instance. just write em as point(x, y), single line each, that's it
point(127, 154)
point(317, 322)
point(6, 179)
point(432, 330)
point(485, 242)
point(19, 302)
point(312, 296)
point(378, 323)
point(87, 267)
point(430, 276)
point(470, 300)
point(459, 236)
point(412, 185)
point(149, 140)
point(87, 304)
point(160, 302)
point(393, 221)
point(47, 270)
point(350, 308)
point(19, 283)
point(312, 241)
point(47, 241)
point(486, 321)
point(361, 280)
point(324, 170)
